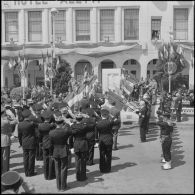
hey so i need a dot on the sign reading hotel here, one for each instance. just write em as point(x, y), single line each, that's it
point(45, 4)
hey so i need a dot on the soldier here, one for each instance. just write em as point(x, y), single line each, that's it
point(6, 132)
point(166, 129)
point(26, 131)
point(147, 99)
point(143, 121)
point(79, 130)
point(105, 135)
point(59, 137)
point(178, 106)
point(44, 129)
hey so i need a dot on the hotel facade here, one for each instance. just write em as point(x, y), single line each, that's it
point(101, 34)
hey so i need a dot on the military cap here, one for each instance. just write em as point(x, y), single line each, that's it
point(26, 113)
point(11, 180)
point(46, 114)
point(104, 112)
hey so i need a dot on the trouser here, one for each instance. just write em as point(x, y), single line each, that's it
point(80, 161)
point(39, 151)
point(147, 124)
point(143, 133)
point(5, 158)
point(178, 115)
point(61, 169)
point(166, 149)
point(48, 164)
point(90, 153)
point(29, 161)
point(115, 136)
point(105, 157)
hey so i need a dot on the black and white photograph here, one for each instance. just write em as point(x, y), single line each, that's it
point(97, 97)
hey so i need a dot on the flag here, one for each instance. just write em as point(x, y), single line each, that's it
point(165, 52)
point(182, 61)
point(160, 55)
point(172, 52)
point(58, 65)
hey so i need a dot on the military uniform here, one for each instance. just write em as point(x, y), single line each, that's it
point(143, 123)
point(79, 130)
point(59, 137)
point(48, 163)
point(105, 135)
point(26, 131)
point(178, 108)
point(166, 129)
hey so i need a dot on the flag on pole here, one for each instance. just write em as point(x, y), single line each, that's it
point(58, 65)
point(11, 63)
point(172, 52)
point(179, 50)
point(165, 52)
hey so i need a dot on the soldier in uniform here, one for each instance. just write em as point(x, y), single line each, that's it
point(79, 130)
point(104, 134)
point(143, 120)
point(44, 129)
point(147, 100)
point(178, 106)
point(26, 131)
point(166, 129)
point(59, 137)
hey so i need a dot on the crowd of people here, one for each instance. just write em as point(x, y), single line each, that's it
point(49, 130)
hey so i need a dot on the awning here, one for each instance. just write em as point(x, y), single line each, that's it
point(92, 50)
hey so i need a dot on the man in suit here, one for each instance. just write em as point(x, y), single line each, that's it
point(44, 129)
point(26, 131)
point(105, 135)
point(58, 138)
point(79, 130)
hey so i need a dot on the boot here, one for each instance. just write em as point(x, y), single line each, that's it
point(167, 165)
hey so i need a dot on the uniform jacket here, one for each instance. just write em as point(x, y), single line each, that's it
point(104, 131)
point(79, 131)
point(90, 135)
point(58, 138)
point(165, 128)
point(44, 129)
point(26, 131)
point(116, 115)
point(142, 116)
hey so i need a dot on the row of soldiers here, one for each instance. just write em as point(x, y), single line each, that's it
point(51, 132)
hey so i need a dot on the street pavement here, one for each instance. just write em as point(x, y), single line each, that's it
point(136, 166)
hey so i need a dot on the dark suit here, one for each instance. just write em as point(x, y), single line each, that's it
point(48, 163)
point(104, 133)
point(26, 131)
point(143, 123)
point(59, 138)
point(90, 136)
point(80, 148)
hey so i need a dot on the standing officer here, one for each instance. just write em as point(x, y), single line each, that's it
point(143, 120)
point(79, 130)
point(166, 129)
point(178, 106)
point(26, 131)
point(105, 135)
point(59, 137)
point(44, 129)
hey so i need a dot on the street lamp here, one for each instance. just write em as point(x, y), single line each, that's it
point(54, 11)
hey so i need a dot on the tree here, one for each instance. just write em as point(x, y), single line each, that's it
point(166, 53)
point(62, 77)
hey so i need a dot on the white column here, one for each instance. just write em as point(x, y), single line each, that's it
point(2, 73)
point(191, 74)
point(93, 21)
point(45, 26)
point(69, 26)
point(143, 71)
point(191, 24)
point(3, 27)
point(118, 25)
point(21, 26)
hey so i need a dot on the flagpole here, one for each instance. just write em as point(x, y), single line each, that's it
point(23, 74)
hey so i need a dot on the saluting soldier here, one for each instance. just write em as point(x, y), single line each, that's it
point(44, 129)
point(142, 120)
point(166, 130)
point(79, 130)
point(104, 134)
point(26, 131)
point(59, 137)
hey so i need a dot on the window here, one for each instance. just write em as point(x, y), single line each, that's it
point(133, 62)
point(154, 61)
point(181, 24)
point(154, 72)
point(107, 25)
point(148, 74)
point(133, 72)
point(60, 25)
point(131, 24)
point(11, 26)
point(82, 25)
point(155, 25)
point(34, 26)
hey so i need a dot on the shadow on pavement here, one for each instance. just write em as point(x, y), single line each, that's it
point(177, 152)
point(95, 176)
point(153, 133)
point(125, 146)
